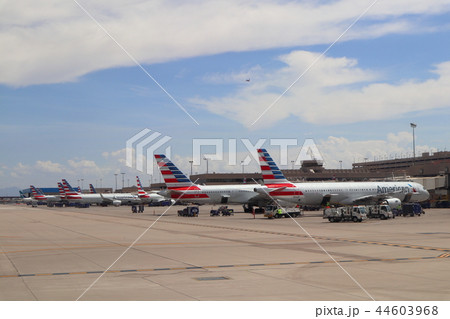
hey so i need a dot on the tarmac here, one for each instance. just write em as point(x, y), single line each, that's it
point(109, 253)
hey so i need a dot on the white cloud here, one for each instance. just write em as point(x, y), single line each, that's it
point(334, 90)
point(49, 166)
point(85, 167)
point(55, 41)
point(396, 145)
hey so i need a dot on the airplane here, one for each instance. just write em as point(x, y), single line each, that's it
point(92, 189)
point(24, 198)
point(115, 199)
point(146, 197)
point(38, 195)
point(343, 193)
point(180, 188)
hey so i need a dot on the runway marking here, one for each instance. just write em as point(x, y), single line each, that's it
point(227, 266)
point(115, 245)
point(94, 246)
point(316, 237)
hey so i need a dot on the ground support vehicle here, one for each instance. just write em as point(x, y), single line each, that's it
point(411, 209)
point(190, 211)
point(380, 211)
point(274, 212)
point(345, 213)
point(224, 210)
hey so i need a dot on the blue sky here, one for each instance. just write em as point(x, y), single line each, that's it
point(70, 97)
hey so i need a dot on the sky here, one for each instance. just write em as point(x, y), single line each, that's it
point(80, 78)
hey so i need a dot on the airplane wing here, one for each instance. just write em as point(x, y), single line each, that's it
point(106, 200)
point(376, 198)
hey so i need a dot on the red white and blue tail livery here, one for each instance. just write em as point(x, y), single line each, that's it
point(173, 177)
point(71, 194)
point(277, 185)
point(146, 197)
point(37, 195)
point(270, 171)
point(181, 188)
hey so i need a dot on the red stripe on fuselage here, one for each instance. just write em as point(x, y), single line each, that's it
point(280, 185)
point(185, 188)
point(188, 196)
point(286, 193)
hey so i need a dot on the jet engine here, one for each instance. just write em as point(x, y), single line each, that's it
point(261, 190)
point(116, 202)
point(393, 202)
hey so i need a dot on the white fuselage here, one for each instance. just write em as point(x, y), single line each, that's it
point(109, 198)
point(216, 194)
point(348, 193)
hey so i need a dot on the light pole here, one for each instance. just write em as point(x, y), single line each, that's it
point(101, 182)
point(340, 164)
point(115, 175)
point(206, 164)
point(82, 183)
point(191, 167)
point(292, 164)
point(414, 142)
point(242, 164)
point(123, 174)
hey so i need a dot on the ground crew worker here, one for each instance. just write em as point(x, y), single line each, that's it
point(279, 211)
point(133, 209)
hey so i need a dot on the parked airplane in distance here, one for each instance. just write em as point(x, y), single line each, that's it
point(343, 193)
point(115, 199)
point(149, 197)
point(38, 195)
point(180, 188)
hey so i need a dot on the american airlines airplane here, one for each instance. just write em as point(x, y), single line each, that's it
point(343, 193)
point(146, 197)
point(38, 195)
point(179, 187)
point(115, 199)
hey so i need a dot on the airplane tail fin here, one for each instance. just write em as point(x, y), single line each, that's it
point(34, 191)
point(270, 172)
point(36, 194)
point(173, 177)
point(62, 193)
point(68, 189)
point(92, 189)
point(141, 190)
